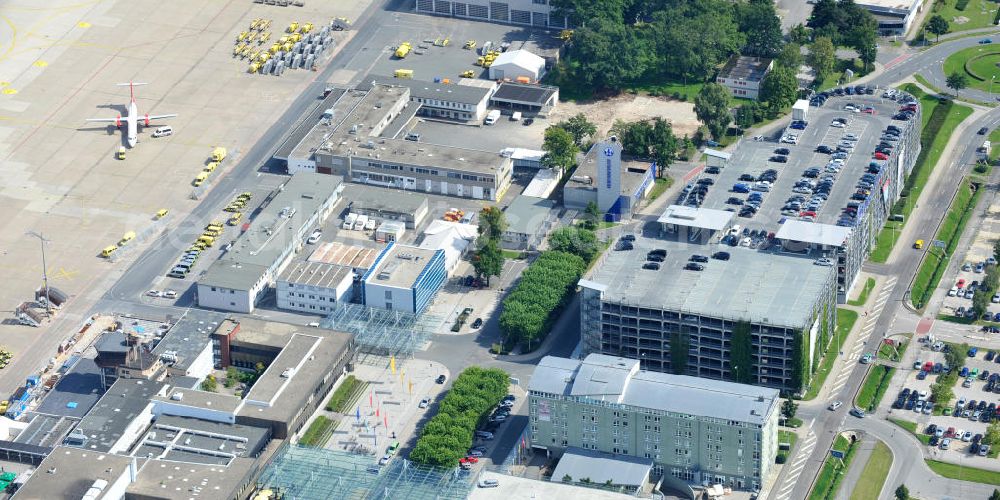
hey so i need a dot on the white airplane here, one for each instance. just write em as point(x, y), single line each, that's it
point(132, 119)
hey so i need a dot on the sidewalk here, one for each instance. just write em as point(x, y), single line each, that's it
point(858, 464)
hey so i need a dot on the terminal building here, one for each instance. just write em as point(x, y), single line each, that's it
point(360, 138)
point(243, 274)
point(521, 12)
point(689, 430)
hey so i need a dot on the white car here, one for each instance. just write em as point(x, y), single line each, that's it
point(170, 294)
point(825, 262)
point(834, 405)
point(489, 483)
point(953, 292)
point(153, 293)
point(837, 124)
point(314, 237)
point(424, 402)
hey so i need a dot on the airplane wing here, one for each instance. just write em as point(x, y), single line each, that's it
point(113, 120)
point(158, 117)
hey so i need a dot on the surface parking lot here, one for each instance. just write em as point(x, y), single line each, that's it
point(965, 417)
point(967, 284)
point(752, 158)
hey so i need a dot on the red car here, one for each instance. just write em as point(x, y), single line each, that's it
point(807, 213)
point(960, 284)
point(881, 156)
point(950, 433)
point(468, 460)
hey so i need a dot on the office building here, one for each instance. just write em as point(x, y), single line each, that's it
point(689, 430)
point(521, 12)
point(529, 220)
point(243, 274)
point(404, 278)
point(313, 287)
point(462, 102)
point(360, 137)
point(384, 205)
point(742, 75)
point(895, 17)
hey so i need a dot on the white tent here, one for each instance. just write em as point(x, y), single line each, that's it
point(452, 237)
point(515, 64)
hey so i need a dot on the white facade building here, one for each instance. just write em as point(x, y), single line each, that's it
point(522, 12)
point(313, 287)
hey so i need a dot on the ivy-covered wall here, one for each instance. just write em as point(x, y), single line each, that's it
point(741, 359)
point(680, 344)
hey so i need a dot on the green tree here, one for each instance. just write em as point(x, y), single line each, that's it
point(579, 127)
point(232, 376)
point(996, 250)
point(866, 45)
point(902, 492)
point(957, 81)
point(759, 22)
point(680, 344)
point(942, 393)
point(741, 354)
point(567, 478)
point(711, 105)
point(822, 57)
point(995, 495)
point(789, 408)
point(749, 114)
point(799, 34)
point(488, 259)
point(955, 357)
point(992, 436)
point(790, 56)
point(663, 145)
point(591, 216)
point(647, 139)
point(210, 384)
point(560, 149)
point(779, 89)
point(577, 241)
point(492, 223)
point(938, 25)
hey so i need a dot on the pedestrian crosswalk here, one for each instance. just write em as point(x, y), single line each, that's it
point(868, 320)
point(795, 466)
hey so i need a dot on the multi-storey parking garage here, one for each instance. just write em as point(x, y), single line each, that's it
point(750, 263)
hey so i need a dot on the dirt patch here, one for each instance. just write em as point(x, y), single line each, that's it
point(960, 20)
point(631, 108)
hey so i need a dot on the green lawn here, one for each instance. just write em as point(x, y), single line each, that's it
point(962, 473)
point(863, 296)
point(977, 14)
point(978, 63)
point(686, 90)
point(832, 80)
point(885, 351)
point(995, 139)
point(661, 185)
point(845, 321)
point(911, 427)
point(887, 238)
point(790, 438)
point(936, 261)
point(832, 472)
point(318, 433)
point(871, 481)
point(512, 254)
point(874, 387)
point(346, 394)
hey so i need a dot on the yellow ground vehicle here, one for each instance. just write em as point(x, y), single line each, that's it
point(207, 240)
point(468, 74)
point(403, 49)
point(306, 28)
point(263, 38)
point(213, 232)
point(238, 48)
point(487, 64)
point(295, 37)
point(287, 47)
point(442, 42)
point(480, 61)
point(219, 154)
point(243, 36)
point(283, 40)
point(199, 245)
point(293, 27)
point(215, 225)
point(244, 196)
point(235, 219)
point(266, 24)
point(275, 47)
point(127, 237)
point(471, 44)
point(212, 165)
point(121, 153)
point(161, 213)
point(108, 250)
point(253, 54)
point(200, 178)
point(403, 73)
point(254, 66)
point(919, 244)
point(3, 407)
point(264, 56)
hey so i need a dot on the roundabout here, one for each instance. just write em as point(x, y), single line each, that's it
point(980, 64)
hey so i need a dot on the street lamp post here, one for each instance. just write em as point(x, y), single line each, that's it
point(994, 77)
point(45, 271)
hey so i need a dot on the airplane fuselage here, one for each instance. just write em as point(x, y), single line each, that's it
point(132, 125)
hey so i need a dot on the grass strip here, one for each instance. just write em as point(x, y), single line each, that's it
point(786, 437)
point(874, 387)
point(886, 351)
point(936, 262)
point(911, 427)
point(863, 296)
point(963, 473)
point(832, 472)
point(318, 433)
point(346, 395)
point(873, 477)
point(845, 321)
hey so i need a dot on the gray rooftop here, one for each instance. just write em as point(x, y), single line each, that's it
point(620, 381)
point(419, 89)
point(770, 288)
point(189, 336)
point(719, 154)
point(526, 214)
point(813, 232)
point(76, 392)
point(703, 218)
point(399, 266)
point(168, 479)
point(283, 369)
point(524, 93)
point(315, 274)
point(599, 467)
point(197, 398)
point(271, 234)
point(745, 68)
point(46, 430)
point(109, 418)
point(633, 172)
point(216, 440)
point(70, 472)
point(306, 125)
point(385, 199)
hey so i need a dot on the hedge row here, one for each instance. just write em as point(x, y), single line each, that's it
point(447, 436)
point(544, 287)
point(961, 4)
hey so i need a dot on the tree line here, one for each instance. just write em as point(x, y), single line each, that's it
point(447, 437)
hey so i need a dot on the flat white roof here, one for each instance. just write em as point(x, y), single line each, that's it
point(704, 218)
point(812, 232)
point(722, 154)
point(801, 104)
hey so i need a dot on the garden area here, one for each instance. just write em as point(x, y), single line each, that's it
point(319, 432)
point(978, 63)
point(964, 15)
point(346, 395)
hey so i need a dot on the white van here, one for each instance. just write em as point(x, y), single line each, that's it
point(163, 131)
point(492, 117)
point(516, 116)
